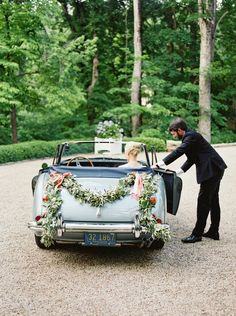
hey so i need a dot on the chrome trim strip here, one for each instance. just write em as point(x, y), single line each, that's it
point(88, 227)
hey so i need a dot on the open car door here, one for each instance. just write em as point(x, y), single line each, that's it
point(173, 185)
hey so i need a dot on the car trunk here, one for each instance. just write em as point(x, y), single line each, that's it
point(122, 210)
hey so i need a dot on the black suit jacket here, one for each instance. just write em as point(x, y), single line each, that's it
point(199, 152)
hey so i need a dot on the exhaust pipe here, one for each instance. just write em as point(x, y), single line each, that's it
point(149, 242)
point(146, 242)
point(143, 243)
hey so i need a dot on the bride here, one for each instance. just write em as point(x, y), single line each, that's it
point(132, 149)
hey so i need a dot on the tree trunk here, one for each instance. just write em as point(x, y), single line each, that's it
point(94, 75)
point(90, 111)
point(78, 9)
point(13, 125)
point(137, 69)
point(207, 17)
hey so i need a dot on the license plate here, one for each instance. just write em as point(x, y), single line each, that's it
point(99, 239)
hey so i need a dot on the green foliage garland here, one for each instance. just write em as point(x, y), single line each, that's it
point(52, 202)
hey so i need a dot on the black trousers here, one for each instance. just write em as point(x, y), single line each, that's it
point(208, 201)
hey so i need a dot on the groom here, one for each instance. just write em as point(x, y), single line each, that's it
point(209, 168)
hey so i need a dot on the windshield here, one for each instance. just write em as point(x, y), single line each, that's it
point(99, 151)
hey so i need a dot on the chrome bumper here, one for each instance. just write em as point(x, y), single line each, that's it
point(88, 227)
point(71, 227)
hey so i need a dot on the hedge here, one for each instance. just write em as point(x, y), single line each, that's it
point(152, 143)
point(43, 149)
point(27, 150)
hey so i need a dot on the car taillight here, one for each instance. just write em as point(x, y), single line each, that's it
point(38, 217)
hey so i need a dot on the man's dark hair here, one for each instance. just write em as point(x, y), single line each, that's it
point(178, 123)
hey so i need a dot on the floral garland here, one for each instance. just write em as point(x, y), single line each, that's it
point(52, 202)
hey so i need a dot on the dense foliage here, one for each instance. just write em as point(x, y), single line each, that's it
point(66, 65)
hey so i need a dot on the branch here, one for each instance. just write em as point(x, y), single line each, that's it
point(27, 73)
point(221, 18)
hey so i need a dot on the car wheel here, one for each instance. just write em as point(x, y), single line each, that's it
point(157, 244)
point(41, 245)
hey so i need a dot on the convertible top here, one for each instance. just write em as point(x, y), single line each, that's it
point(99, 172)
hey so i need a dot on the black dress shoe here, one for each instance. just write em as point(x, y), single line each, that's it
point(214, 236)
point(191, 239)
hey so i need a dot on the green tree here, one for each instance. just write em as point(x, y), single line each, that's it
point(65, 65)
point(107, 80)
point(224, 72)
point(40, 66)
point(18, 22)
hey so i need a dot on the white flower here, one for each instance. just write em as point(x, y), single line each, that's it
point(108, 129)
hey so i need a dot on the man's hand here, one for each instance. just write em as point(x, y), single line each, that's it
point(159, 164)
point(155, 166)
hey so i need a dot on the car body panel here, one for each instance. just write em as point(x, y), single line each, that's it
point(120, 210)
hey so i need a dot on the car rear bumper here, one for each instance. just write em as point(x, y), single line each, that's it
point(77, 227)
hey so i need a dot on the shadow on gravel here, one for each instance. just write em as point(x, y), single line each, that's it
point(173, 254)
point(91, 256)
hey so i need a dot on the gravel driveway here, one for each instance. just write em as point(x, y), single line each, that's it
point(181, 279)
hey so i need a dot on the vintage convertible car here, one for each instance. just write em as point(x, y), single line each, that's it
point(85, 197)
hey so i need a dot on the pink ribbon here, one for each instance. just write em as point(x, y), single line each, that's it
point(138, 186)
point(58, 178)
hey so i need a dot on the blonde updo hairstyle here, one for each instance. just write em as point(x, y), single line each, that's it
point(133, 149)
